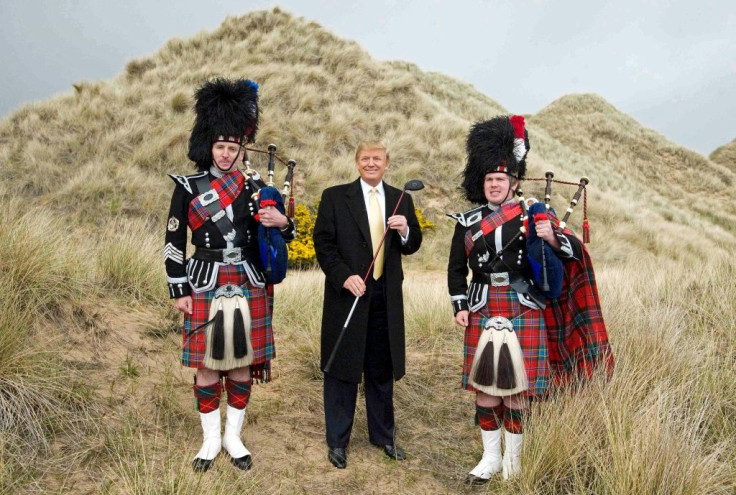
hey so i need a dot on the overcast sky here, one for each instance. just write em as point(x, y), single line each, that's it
point(669, 64)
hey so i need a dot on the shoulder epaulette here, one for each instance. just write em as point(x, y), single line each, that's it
point(468, 218)
point(184, 180)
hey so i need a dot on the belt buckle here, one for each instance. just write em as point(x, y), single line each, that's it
point(208, 197)
point(232, 255)
point(500, 279)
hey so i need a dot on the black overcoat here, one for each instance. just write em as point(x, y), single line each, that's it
point(342, 242)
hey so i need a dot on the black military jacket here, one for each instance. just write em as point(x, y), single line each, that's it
point(184, 275)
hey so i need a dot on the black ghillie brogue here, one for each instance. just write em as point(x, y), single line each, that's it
point(473, 480)
point(244, 463)
point(202, 465)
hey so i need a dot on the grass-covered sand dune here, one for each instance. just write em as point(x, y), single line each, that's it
point(725, 155)
point(92, 396)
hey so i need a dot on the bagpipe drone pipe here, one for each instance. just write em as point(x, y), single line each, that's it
point(272, 247)
point(546, 266)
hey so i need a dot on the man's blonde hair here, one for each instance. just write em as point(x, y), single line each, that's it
point(371, 145)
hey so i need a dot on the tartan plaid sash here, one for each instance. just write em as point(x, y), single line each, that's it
point(576, 332)
point(228, 187)
point(491, 222)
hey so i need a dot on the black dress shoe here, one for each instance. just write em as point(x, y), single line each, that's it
point(243, 463)
point(338, 457)
point(393, 451)
point(202, 465)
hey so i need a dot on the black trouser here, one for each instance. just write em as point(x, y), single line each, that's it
point(340, 397)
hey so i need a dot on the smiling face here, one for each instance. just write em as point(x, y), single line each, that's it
point(225, 155)
point(371, 165)
point(498, 187)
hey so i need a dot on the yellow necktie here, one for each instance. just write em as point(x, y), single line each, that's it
point(375, 218)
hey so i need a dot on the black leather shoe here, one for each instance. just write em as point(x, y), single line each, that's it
point(393, 451)
point(243, 463)
point(202, 465)
point(338, 457)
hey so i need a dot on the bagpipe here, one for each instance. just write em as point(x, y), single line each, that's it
point(546, 266)
point(272, 246)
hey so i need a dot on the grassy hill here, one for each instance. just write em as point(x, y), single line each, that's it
point(93, 399)
point(725, 155)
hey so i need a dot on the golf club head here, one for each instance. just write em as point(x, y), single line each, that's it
point(414, 185)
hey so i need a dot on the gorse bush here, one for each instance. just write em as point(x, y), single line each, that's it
point(301, 249)
point(424, 223)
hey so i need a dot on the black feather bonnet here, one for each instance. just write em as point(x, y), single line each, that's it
point(227, 110)
point(497, 145)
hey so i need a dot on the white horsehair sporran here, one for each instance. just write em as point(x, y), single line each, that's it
point(224, 336)
point(498, 364)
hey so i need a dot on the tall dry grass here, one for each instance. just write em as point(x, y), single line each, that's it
point(663, 424)
point(725, 155)
point(94, 400)
point(39, 396)
point(129, 263)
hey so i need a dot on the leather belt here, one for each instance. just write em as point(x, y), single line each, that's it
point(228, 256)
point(498, 279)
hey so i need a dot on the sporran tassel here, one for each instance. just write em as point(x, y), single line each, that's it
point(240, 343)
point(484, 371)
point(506, 374)
point(218, 335)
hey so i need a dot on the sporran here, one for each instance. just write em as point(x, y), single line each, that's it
point(228, 339)
point(498, 364)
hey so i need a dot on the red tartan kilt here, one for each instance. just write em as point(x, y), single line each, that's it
point(530, 330)
point(260, 302)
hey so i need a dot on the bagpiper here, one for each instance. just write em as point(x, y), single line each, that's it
point(516, 330)
point(222, 288)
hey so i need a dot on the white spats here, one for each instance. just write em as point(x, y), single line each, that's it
point(212, 444)
point(173, 254)
point(490, 463)
point(512, 455)
point(231, 438)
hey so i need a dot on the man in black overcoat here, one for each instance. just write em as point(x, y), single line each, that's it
point(346, 233)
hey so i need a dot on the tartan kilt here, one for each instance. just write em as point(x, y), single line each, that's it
point(260, 301)
point(530, 330)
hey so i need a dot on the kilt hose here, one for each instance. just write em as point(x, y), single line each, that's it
point(530, 330)
point(260, 302)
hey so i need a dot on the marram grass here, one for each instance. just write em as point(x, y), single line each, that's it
point(39, 396)
point(92, 396)
point(663, 424)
